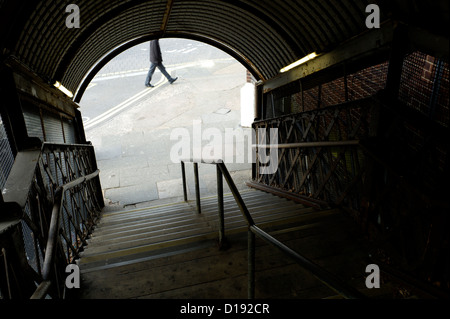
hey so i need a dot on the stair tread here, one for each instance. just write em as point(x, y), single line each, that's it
point(186, 211)
point(156, 242)
point(181, 208)
point(146, 229)
point(155, 223)
point(184, 268)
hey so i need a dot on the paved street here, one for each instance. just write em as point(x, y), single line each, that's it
point(130, 125)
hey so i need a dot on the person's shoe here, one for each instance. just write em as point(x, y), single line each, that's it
point(149, 85)
point(173, 80)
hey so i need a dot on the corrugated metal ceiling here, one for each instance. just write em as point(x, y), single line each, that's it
point(264, 35)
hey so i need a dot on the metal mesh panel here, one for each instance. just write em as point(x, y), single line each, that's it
point(30, 248)
point(65, 225)
point(425, 86)
point(442, 111)
point(291, 98)
point(333, 92)
point(6, 155)
point(64, 169)
point(417, 81)
point(367, 82)
point(311, 99)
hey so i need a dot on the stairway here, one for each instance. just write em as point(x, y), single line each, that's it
point(170, 251)
point(126, 235)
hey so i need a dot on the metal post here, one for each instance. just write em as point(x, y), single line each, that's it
point(6, 273)
point(395, 68)
point(236, 195)
point(183, 175)
point(251, 265)
point(52, 234)
point(220, 207)
point(197, 188)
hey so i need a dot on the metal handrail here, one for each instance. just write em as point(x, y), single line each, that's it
point(308, 144)
point(321, 274)
point(45, 285)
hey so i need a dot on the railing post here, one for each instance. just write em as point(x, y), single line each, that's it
point(220, 208)
point(183, 175)
point(236, 195)
point(197, 188)
point(251, 264)
point(52, 234)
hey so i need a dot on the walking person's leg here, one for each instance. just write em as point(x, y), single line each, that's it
point(150, 74)
point(162, 68)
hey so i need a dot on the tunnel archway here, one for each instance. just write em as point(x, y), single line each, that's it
point(265, 36)
point(123, 47)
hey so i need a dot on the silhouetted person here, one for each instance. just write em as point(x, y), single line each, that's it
point(156, 62)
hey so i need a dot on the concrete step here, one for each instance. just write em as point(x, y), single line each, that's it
point(169, 251)
point(197, 269)
point(189, 218)
point(122, 235)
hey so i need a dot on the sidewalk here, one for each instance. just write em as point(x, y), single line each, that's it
point(133, 148)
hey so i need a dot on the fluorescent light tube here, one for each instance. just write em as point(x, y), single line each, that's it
point(60, 87)
point(297, 63)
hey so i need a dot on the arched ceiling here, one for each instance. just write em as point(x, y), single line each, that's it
point(264, 35)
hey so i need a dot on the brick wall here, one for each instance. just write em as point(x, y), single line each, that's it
point(425, 86)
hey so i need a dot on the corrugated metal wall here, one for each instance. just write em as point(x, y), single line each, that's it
point(49, 126)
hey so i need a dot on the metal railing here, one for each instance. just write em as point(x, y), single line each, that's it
point(54, 230)
point(380, 160)
point(321, 274)
point(318, 150)
point(57, 189)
